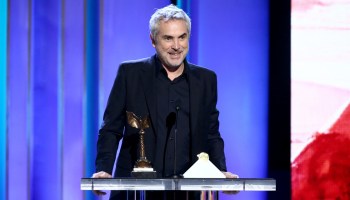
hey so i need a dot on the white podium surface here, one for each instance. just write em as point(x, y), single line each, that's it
point(185, 184)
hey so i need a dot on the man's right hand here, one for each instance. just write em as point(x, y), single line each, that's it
point(100, 174)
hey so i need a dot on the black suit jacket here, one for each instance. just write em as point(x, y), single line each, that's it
point(134, 91)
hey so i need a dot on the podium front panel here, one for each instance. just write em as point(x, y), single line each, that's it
point(185, 184)
point(127, 184)
point(211, 184)
point(260, 185)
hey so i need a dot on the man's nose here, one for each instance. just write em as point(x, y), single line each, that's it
point(176, 45)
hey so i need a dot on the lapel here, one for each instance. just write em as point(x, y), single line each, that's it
point(148, 83)
point(195, 95)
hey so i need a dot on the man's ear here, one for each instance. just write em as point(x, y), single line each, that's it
point(152, 40)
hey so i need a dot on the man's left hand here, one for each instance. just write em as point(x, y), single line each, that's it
point(230, 175)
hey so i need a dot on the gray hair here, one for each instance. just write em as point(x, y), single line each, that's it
point(167, 13)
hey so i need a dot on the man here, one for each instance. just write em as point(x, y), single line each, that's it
point(179, 98)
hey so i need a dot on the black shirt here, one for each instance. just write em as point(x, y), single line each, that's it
point(173, 114)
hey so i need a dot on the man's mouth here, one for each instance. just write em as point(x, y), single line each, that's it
point(175, 54)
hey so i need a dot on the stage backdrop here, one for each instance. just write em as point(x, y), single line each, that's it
point(58, 62)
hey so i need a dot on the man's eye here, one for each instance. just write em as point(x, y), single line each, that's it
point(183, 37)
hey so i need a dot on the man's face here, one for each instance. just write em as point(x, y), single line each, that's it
point(171, 43)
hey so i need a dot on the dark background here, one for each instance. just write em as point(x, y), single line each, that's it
point(279, 99)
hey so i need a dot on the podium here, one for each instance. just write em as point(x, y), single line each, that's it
point(208, 186)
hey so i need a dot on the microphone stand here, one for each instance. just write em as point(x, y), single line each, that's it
point(175, 142)
point(175, 176)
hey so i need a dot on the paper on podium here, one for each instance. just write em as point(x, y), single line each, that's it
point(203, 168)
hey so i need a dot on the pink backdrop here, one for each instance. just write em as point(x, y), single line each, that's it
point(320, 135)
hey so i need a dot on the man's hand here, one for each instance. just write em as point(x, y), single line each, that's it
point(230, 175)
point(100, 174)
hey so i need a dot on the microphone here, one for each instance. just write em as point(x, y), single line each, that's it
point(177, 108)
point(175, 175)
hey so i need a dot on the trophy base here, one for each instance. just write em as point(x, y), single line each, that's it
point(139, 173)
